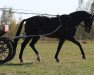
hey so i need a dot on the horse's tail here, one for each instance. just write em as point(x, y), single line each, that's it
point(20, 28)
point(18, 33)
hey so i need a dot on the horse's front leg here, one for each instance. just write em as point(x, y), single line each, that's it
point(61, 41)
point(72, 39)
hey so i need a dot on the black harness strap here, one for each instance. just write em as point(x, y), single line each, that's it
point(59, 20)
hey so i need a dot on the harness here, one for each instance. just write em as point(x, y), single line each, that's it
point(28, 36)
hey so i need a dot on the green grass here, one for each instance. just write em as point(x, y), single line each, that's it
point(70, 57)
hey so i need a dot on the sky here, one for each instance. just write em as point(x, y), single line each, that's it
point(53, 7)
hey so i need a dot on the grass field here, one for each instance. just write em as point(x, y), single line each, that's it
point(70, 57)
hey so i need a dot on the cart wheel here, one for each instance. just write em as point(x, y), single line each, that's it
point(13, 51)
point(5, 50)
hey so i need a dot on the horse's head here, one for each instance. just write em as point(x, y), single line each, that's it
point(83, 16)
point(88, 23)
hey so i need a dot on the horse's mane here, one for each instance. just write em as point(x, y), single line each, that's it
point(80, 13)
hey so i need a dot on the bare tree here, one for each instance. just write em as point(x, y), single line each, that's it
point(6, 17)
point(92, 7)
point(80, 3)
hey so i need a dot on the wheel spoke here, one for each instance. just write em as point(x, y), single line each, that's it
point(3, 56)
point(4, 53)
point(5, 50)
point(0, 57)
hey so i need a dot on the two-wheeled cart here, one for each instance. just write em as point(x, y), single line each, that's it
point(6, 48)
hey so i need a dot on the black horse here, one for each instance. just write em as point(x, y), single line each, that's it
point(62, 27)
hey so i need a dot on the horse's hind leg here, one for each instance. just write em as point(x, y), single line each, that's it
point(32, 45)
point(72, 39)
point(23, 45)
point(58, 48)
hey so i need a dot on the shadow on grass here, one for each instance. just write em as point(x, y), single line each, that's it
point(16, 64)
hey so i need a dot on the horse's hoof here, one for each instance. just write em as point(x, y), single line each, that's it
point(38, 59)
point(57, 60)
point(84, 57)
point(21, 61)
